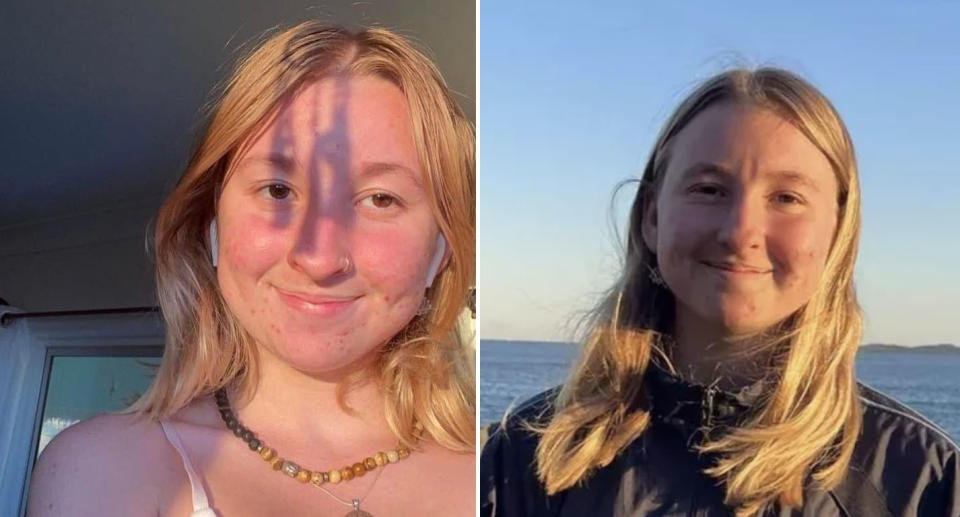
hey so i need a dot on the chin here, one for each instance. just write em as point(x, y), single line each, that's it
point(324, 355)
point(738, 324)
point(738, 320)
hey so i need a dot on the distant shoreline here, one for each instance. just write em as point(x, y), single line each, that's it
point(942, 348)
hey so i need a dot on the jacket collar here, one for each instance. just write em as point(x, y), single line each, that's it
point(689, 406)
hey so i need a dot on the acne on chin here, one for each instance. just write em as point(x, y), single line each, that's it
point(741, 313)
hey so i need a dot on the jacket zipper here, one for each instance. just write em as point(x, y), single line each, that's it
point(706, 419)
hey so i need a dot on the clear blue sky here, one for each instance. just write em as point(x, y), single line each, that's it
point(570, 97)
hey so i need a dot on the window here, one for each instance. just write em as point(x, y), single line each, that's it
point(81, 386)
point(62, 369)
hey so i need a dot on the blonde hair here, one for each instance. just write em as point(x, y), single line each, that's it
point(425, 372)
point(809, 422)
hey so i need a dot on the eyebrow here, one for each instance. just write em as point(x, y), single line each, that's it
point(284, 163)
point(704, 168)
point(288, 165)
point(713, 168)
point(795, 177)
point(373, 169)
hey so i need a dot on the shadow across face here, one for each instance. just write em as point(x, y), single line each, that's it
point(326, 231)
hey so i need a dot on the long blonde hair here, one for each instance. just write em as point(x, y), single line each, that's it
point(809, 422)
point(425, 372)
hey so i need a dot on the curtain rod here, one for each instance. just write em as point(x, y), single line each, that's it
point(8, 317)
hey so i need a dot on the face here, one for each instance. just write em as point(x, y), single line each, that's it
point(743, 220)
point(325, 229)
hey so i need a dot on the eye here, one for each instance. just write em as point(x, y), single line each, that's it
point(379, 200)
point(706, 189)
point(787, 198)
point(277, 191)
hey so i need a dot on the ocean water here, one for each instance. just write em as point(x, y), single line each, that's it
point(928, 382)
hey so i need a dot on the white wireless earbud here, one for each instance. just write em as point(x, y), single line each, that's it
point(213, 242)
point(437, 259)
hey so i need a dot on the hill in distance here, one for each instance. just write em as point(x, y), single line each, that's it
point(942, 348)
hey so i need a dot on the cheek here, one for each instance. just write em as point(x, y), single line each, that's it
point(681, 233)
point(799, 249)
point(392, 262)
point(251, 245)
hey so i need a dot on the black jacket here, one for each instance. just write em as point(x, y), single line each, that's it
point(903, 465)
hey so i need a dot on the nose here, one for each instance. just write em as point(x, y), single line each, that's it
point(321, 247)
point(741, 228)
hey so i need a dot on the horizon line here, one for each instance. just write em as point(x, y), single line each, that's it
point(555, 342)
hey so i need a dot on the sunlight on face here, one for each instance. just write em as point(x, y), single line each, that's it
point(326, 231)
point(743, 220)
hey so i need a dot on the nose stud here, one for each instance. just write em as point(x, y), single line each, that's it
point(346, 264)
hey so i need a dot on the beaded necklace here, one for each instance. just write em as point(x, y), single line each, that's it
point(315, 477)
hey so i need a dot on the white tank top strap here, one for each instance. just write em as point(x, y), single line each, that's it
point(201, 507)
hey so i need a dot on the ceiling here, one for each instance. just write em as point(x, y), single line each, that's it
point(100, 104)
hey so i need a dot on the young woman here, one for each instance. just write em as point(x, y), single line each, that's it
point(312, 263)
point(717, 377)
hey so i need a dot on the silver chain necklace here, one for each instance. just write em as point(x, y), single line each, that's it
point(355, 503)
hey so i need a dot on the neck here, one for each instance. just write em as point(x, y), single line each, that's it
point(290, 405)
point(706, 353)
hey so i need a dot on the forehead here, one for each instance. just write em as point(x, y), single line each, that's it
point(747, 139)
point(362, 119)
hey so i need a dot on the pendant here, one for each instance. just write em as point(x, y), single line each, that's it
point(357, 512)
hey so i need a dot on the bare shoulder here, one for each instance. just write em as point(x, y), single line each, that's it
point(105, 466)
point(450, 481)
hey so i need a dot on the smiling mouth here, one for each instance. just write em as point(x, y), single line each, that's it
point(316, 305)
point(736, 269)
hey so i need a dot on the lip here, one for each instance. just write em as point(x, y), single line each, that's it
point(735, 269)
point(316, 305)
